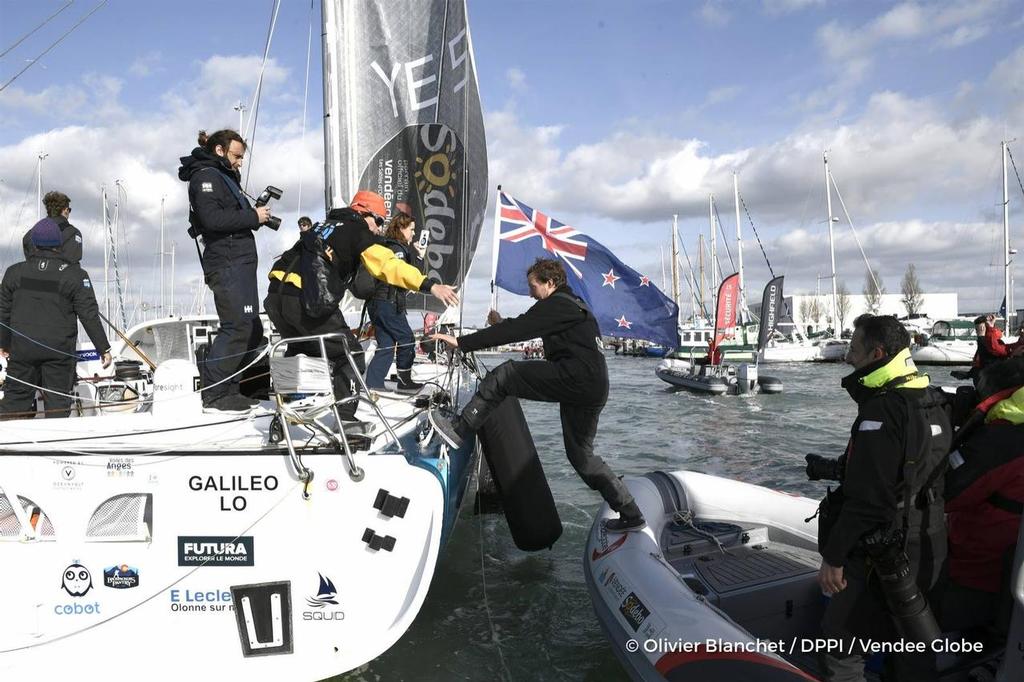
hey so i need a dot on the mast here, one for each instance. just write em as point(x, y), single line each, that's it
point(832, 250)
point(163, 310)
point(1007, 288)
point(712, 285)
point(335, 194)
point(675, 265)
point(106, 256)
point(742, 303)
point(173, 244)
point(39, 185)
point(700, 259)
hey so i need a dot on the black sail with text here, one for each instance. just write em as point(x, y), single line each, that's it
point(771, 306)
point(402, 118)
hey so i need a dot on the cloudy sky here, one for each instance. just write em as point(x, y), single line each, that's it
point(610, 116)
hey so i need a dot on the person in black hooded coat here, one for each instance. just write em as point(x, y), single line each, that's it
point(221, 215)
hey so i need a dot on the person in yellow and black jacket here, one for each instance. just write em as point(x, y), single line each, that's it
point(386, 308)
point(882, 515)
point(348, 240)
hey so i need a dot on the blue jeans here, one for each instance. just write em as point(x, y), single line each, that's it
point(390, 328)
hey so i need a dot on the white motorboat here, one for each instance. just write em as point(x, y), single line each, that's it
point(722, 585)
point(952, 342)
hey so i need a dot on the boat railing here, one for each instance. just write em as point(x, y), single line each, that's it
point(317, 379)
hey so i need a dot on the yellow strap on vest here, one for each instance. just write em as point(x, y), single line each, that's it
point(287, 278)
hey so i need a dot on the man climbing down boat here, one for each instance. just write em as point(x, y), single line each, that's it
point(883, 530)
point(573, 374)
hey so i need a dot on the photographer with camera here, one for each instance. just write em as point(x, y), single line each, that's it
point(222, 218)
point(881, 534)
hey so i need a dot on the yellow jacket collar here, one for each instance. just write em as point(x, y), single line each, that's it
point(901, 365)
point(1009, 409)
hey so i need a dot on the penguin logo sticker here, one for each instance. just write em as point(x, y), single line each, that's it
point(77, 580)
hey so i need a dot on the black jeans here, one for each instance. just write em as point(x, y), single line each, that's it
point(541, 380)
point(44, 368)
point(229, 267)
point(291, 320)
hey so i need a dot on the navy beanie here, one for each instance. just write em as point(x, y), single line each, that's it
point(46, 234)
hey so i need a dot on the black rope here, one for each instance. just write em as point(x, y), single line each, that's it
point(725, 240)
point(1010, 154)
point(756, 236)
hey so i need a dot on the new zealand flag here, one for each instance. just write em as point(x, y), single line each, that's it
point(625, 303)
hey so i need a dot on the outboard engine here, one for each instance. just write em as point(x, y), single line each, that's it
point(746, 379)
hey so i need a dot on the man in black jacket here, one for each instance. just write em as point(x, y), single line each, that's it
point(573, 374)
point(347, 240)
point(899, 439)
point(41, 301)
point(220, 213)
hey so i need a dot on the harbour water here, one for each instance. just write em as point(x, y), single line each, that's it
point(495, 612)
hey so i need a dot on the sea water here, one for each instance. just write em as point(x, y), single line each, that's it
point(496, 613)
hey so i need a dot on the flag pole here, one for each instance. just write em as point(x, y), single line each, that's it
point(494, 249)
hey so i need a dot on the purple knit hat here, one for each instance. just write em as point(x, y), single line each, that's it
point(46, 234)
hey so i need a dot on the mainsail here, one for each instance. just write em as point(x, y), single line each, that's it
point(402, 118)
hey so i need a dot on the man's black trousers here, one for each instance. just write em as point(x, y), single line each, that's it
point(541, 380)
point(229, 266)
point(291, 320)
point(42, 367)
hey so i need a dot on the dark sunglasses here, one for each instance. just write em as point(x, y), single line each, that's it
point(376, 218)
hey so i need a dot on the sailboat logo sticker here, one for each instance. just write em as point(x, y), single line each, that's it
point(325, 595)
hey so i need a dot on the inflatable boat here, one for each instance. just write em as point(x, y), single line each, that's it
point(722, 585)
point(717, 379)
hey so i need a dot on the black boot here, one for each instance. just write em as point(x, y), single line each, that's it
point(630, 518)
point(406, 384)
point(452, 430)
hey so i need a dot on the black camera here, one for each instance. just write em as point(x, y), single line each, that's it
point(908, 607)
point(263, 199)
point(825, 468)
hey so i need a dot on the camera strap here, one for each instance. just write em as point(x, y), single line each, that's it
point(233, 188)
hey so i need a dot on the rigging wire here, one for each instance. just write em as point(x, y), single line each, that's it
point(757, 236)
point(255, 106)
point(45, 22)
point(849, 221)
point(1019, 184)
point(725, 240)
point(305, 101)
point(689, 266)
point(53, 45)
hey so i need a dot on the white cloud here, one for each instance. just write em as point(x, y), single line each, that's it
point(142, 151)
point(965, 20)
point(146, 65)
point(776, 7)
point(723, 94)
point(714, 13)
point(516, 79)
